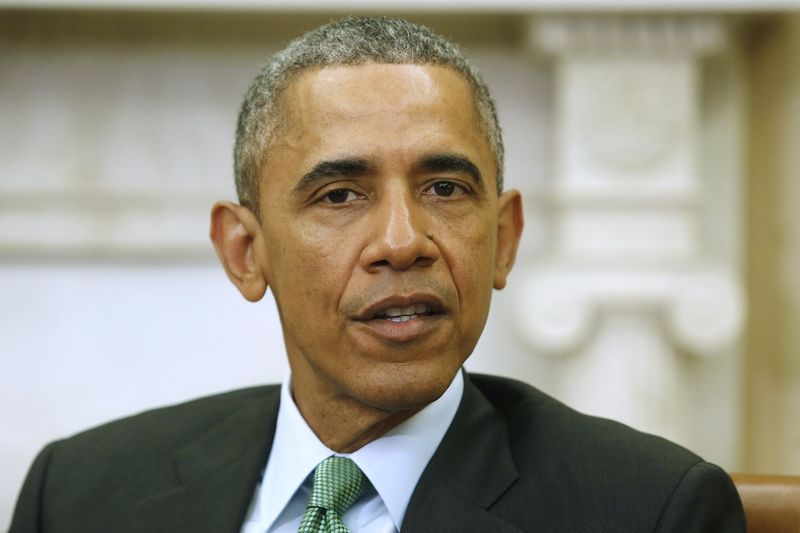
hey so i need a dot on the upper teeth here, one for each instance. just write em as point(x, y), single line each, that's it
point(414, 309)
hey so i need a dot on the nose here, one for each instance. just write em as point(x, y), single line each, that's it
point(400, 235)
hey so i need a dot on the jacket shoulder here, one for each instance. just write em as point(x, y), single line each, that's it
point(533, 416)
point(97, 477)
point(596, 474)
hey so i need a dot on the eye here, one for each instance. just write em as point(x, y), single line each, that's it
point(339, 196)
point(445, 188)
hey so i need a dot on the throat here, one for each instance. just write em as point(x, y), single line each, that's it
point(346, 425)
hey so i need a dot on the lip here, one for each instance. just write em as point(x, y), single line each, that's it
point(433, 302)
point(401, 332)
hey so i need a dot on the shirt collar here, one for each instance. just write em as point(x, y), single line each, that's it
point(395, 462)
point(392, 463)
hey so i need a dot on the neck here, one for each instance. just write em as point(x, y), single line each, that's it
point(341, 422)
point(345, 429)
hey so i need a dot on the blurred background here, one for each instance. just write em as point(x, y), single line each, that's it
point(656, 145)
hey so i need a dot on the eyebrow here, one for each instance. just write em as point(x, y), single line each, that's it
point(350, 167)
point(450, 163)
point(335, 168)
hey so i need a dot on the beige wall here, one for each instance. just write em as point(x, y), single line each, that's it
point(772, 369)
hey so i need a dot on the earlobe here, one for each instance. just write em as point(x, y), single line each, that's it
point(236, 235)
point(509, 230)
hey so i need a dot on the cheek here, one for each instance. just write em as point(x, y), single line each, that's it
point(475, 281)
point(472, 245)
point(469, 250)
point(309, 267)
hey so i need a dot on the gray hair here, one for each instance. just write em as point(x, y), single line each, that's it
point(349, 41)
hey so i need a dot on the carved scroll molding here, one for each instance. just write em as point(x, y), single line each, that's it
point(700, 310)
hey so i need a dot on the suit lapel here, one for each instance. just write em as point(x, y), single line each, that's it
point(216, 475)
point(470, 470)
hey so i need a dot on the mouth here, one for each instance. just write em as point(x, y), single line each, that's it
point(400, 320)
point(399, 309)
point(404, 314)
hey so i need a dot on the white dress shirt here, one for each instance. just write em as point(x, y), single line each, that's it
point(392, 463)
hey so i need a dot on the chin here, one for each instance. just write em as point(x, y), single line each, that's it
point(404, 387)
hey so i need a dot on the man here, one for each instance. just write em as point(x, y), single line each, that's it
point(368, 163)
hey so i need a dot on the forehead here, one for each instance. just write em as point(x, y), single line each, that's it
point(371, 86)
point(379, 107)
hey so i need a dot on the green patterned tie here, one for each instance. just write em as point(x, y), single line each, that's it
point(338, 483)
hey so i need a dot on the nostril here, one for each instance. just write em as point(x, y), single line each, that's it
point(424, 261)
point(418, 262)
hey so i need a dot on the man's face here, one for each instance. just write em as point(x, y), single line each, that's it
point(380, 231)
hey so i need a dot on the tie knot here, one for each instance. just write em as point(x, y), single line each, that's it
point(338, 483)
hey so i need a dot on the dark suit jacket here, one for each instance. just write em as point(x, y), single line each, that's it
point(513, 459)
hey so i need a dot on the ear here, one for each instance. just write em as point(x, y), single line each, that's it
point(236, 234)
point(509, 230)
